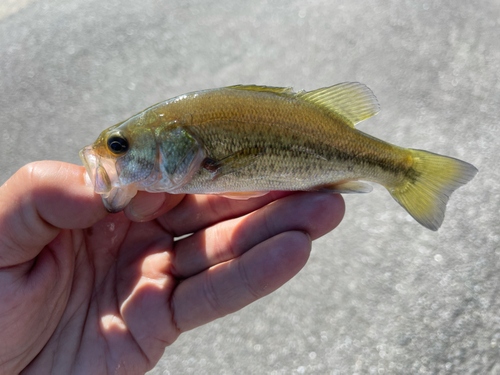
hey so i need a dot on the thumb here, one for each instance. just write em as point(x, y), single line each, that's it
point(37, 202)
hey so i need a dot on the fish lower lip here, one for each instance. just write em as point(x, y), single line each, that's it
point(110, 208)
point(118, 198)
point(89, 162)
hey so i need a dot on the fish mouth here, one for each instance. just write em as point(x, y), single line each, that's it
point(105, 180)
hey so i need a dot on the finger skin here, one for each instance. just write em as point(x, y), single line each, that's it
point(36, 257)
point(148, 206)
point(196, 212)
point(314, 213)
point(36, 202)
point(230, 286)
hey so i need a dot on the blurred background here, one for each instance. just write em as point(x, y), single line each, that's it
point(380, 294)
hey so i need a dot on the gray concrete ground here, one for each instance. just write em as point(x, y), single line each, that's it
point(381, 294)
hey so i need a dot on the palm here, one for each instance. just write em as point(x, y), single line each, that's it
point(120, 294)
point(110, 298)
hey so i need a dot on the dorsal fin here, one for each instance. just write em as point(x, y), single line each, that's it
point(276, 90)
point(352, 100)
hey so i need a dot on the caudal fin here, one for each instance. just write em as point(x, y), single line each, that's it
point(425, 192)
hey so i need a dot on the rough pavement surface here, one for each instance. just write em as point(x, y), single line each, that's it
point(381, 294)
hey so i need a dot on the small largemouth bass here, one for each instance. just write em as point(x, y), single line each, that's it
point(244, 141)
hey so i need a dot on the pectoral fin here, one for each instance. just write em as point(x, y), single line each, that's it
point(231, 163)
point(347, 187)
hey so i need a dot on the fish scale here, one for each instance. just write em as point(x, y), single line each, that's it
point(243, 141)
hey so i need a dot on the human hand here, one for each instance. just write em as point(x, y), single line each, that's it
point(84, 292)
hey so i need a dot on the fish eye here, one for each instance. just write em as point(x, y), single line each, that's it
point(117, 144)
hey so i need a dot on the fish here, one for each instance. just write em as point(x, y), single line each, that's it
point(243, 141)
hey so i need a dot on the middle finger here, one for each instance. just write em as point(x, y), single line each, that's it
point(314, 213)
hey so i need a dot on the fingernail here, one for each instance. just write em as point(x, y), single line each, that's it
point(144, 206)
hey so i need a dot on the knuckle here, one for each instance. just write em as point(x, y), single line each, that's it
point(247, 283)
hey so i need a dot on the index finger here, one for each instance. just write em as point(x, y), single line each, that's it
point(199, 211)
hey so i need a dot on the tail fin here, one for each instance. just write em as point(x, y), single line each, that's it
point(425, 194)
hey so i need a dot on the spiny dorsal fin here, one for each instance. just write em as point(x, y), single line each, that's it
point(276, 90)
point(352, 100)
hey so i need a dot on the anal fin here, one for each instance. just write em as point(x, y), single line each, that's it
point(346, 187)
point(243, 195)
